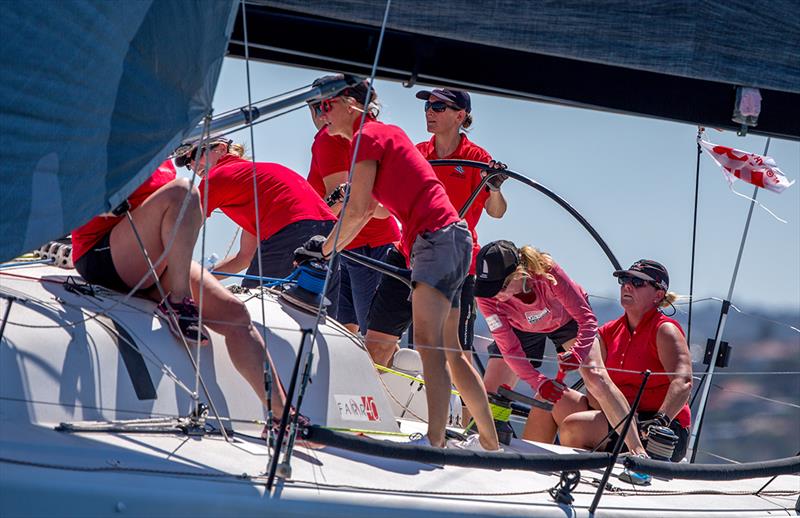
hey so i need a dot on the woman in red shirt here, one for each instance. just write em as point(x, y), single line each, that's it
point(106, 252)
point(527, 297)
point(389, 170)
point(447, 112)
point(330, 163)
point(289, 212)
point(642, 338)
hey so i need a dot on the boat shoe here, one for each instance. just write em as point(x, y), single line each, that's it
point(185, 321)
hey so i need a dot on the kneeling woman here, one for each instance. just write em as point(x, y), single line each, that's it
point(642, 338)
point(289, 211)
point(526, 297)
point(389, 170)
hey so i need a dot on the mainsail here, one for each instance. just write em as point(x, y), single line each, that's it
point(94, 96)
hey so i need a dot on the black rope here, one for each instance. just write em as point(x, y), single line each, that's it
point(456, 457)
point(694, 237)
point(719, 472)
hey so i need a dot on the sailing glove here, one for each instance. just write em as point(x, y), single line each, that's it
point(658, 419)
point(336, 195)
point(552, 390)
point(569, 361)
point(496, 181)
point(311, 250)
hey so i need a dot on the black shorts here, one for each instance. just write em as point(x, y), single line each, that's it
point(97, 267)
point(390, 310)
point(680, 448)
point(533, 343)
point(466, 320)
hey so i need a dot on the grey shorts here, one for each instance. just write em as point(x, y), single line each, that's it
point(441, 259)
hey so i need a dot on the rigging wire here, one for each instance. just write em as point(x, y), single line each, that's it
point(694, 233)
point(268, 381)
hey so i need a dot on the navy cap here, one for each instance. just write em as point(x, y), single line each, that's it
point(458, 98)
point(496, 261)
point(649, 271)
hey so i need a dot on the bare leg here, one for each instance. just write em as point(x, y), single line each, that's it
point(381, 346)
point(468, 382)
point(155, 220)
point(584, 430)
point(542, 425)
point(228, 316)
point(353, 328)
point(613, 404)
point(497, 373)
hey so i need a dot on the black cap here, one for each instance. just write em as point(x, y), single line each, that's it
point(458, 98)
point(494, 263)
point(649, 271)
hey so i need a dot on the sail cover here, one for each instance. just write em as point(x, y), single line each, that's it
point(94, 95)
point(678, 60)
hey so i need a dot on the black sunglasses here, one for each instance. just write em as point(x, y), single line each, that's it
point(440, 106)
point(637, 282)
point(317, 107)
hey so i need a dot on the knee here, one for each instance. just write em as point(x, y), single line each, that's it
point(568, 433)
point(181, 188)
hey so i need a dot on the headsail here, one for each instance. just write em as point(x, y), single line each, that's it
point(94, 96)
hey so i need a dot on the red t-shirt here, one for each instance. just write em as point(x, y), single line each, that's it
point(554, 305)
point(405, 182)
point(459, 182)
point(85, 237)
point(331, 154)
point(284, 196)
point(638, 352)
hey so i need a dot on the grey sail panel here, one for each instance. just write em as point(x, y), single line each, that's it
point(728, 41)
point(93, 97)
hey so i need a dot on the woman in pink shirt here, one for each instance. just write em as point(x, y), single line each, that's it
point(389, 170)
point(526, 297)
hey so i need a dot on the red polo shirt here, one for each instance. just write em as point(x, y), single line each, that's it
point(405, 182)
point(460, 182)
point(637, 351)
point(331, 154)
point(284, 196)
point(85, 237)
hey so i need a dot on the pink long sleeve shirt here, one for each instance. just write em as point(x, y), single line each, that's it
point(553, 307)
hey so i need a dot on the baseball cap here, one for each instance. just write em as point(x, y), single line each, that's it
point(649, 271)
point(495, 261)
point(187, 151)
point(357, 87)
point(458, 98)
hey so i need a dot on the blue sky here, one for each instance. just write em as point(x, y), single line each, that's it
point(632, 178)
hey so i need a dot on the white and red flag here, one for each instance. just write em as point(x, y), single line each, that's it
point(761, 171)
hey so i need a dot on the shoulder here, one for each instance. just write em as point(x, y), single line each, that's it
point(611, 325)
point(668, 328)
point(473, 151)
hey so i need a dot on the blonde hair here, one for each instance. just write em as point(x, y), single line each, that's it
point(236, 149)
point(668, 299)
point(535, 262)
point(374, 108)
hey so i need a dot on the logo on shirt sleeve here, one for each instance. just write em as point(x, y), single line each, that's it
point(494, 322)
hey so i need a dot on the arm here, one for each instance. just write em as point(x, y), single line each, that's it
point(509, 344)
point(248, 244)
point(334, 180)
point(675, 357)
point(359, 209)
point(571, 296)
point(496, 204)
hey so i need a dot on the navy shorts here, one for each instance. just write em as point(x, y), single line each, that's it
point(97, 267)
point(533, 343)
point(358, 286)
point(277, 256)
point(390, 310)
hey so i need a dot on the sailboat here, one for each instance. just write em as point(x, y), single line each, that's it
point(103, 412)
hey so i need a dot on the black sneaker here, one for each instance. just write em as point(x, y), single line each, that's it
point(185, 315)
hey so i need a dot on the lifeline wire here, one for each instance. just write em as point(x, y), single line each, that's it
point(321, 308)
point(268, 381)
point(694, 234)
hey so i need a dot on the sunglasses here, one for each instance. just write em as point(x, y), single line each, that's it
point(316, 108)
point(440, 106)
point(326, 105)
point(635, 281)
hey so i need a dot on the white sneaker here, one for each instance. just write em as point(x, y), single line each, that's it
point(419, 440)
point(472, 443)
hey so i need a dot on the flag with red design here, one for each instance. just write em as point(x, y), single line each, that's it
point(761, 171)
